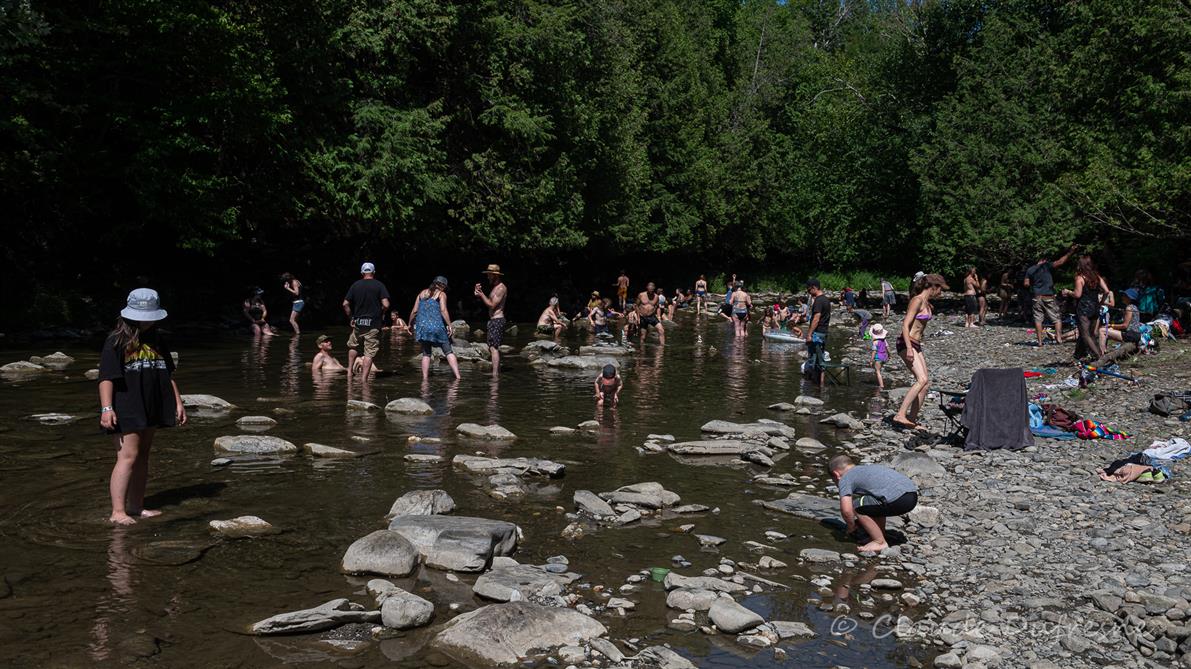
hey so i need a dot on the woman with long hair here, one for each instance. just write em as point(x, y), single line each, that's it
point(293, 286)
point(909, 346)
point(1090, 291)
point(137, 395)
point(432, 324)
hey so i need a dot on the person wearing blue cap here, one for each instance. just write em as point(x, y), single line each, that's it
point(366, 301)
point(137, 395)
point(1130, 329)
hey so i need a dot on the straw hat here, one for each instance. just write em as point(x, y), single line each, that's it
point(877, 331)
point(493, 269)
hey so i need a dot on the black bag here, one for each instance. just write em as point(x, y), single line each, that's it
point(1165, 404)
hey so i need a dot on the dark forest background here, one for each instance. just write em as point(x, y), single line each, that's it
point(205, 147)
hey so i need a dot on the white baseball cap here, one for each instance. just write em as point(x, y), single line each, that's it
point(367, 268)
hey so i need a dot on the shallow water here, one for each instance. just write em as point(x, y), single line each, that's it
point(78, 592)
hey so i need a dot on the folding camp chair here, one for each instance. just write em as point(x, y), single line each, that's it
point(952, 406)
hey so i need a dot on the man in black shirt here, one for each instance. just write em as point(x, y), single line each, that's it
point(365, 302)
point(816, 333)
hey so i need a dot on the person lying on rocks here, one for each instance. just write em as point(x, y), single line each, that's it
point(607, 386)
point(868, 494)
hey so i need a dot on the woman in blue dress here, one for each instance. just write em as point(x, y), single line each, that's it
point(432, 324)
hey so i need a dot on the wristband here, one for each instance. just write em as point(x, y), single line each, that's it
point(105, 409)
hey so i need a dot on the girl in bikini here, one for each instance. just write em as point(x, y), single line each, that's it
point(909, 347)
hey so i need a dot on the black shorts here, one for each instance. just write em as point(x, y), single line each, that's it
point(649, 321)
point(875, 507)
point(496, 332)
point(971, 305)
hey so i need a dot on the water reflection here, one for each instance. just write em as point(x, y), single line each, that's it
point(291, 371)
point(112, 609)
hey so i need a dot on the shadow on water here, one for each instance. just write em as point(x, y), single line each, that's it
point(78, 592)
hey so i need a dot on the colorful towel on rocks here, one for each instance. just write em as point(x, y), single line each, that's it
point(1094, 429)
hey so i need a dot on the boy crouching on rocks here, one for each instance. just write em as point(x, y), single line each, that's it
point(868, 494)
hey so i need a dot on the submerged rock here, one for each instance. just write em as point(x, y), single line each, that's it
point(770, 428)
point(321, 451)
point(422, 503)
point(254, 445)
point(502, 634)
point(206, 404)
point(244, 526)
point(256, 422)
point(717, 447)
point(582, 362)
point(482, 465)
point(486, 432)
point(332, 614)
point(360, 406)
point(520, 582)
point(409, 406)
point(606, 349)
point(21, 367)
point(458, 543)
point(382, 552)
point(805, 506)
point(53, 418)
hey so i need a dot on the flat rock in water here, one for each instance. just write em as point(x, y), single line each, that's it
point(591, 362)
point(843, 421)
point(917, 465)
point(256, 421)
point(791, 630)
point(206, 404)
point(606, 349)
point(21, 367)
point(675, 580)
point(662, 658)
point(562, 431)
point(808, 401)
point(590, 503)
point(589, 425)
point(422, 503)
point(714, 447)
point(423, 458)
point(544, 346)
point(805, 506)
point(810, 444)
point(782, 406)
point(731, 617)
point(57, 359)
point(770, 428)
point(458, 543)
point(521, 582)
point(244, 526)
point(360, 406)
point(321, 451)
point(332, 614)
point(504, 633)
point(669, 438)
point(482, 465)
point(53, 418)
point(253, 444)
point(486, 432)
point(687, 599)
point(409, 406)
point(649, 495)
point(382, 552)
point(819, 555)
point(757, 457)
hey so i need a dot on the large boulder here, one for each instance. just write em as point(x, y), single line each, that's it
point(584, 362)
point(252, 444)
point(422, 503)
point(514, 583)
point(206, 404)
point(503, 634)
point(731, 617)
point(324, 617)
point(485, 432)
point(482, 465)
point(383, 552)
point(458, 543)
point(409, 406)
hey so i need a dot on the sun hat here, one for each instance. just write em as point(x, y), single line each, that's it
point(367, 268)
point(144, 306)
point(554, 301)
point(595, 293)
point(609, 371)
point(1131, 293)
point(877, 331)
point(441, 280)
point(493, 269)
point(322, 338)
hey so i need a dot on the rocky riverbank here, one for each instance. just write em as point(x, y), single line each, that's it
point(1031, 560)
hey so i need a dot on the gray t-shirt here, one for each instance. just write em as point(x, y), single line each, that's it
point(1041, 280)
point(875, 481)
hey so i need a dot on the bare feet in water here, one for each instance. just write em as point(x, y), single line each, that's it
point(873, 546)
point(121, 519)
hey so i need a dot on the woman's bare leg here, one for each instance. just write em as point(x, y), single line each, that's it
point(454, 363)
point(425, 367)
point(127, 447)
point(921, 373)
point(140, 479)
point(293, 321)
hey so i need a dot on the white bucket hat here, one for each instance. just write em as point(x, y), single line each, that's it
point(143, 305)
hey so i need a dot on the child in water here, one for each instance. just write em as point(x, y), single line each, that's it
point(607, 386)
point(880, 351)
point(137, 395)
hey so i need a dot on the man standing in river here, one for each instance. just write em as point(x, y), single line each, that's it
point(364, 303)
point(495, 301)
point(647, 311)
point(622, 290)
point(816, 333)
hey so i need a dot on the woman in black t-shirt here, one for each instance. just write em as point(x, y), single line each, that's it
point(137, 395)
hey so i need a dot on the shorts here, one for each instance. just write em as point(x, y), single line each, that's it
point(601, 328)
point(496, 332)
point(446, 347)
point(971, 305)
point(622, 293)
point(297, 306)
point(546, 328)
point(1045, 306)
point(371, 341)
point(816, 349)
point(889, 298)
point(700, 293)
point(901, 344)
point(649, 321)
point(875, 507)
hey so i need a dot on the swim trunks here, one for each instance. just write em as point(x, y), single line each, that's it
point(545, 328)
point(649, 321)
point(496, 332)
point(971, 305)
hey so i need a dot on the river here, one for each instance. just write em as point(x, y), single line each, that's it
point(169, 592)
